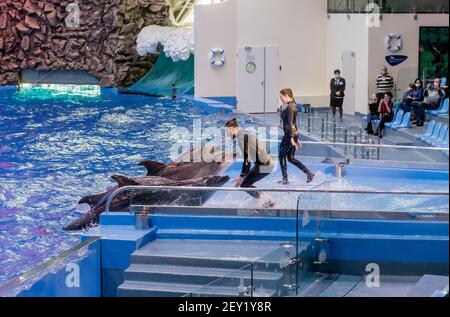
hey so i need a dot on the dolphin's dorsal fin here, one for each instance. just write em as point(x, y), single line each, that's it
point(123, 181)
point(153, 167)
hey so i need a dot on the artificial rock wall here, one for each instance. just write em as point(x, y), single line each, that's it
point(34, 34)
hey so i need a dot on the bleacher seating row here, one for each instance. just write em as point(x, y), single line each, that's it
point(402, 120)
point(437, 135)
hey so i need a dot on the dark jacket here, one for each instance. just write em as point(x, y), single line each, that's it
point(337, 86)
point(373, 107)
point(289, 117)
point(251, 150)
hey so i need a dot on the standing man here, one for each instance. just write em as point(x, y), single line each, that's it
point(385, 83)
point(337, 87)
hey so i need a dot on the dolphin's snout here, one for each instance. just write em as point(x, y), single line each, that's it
point(217, 181)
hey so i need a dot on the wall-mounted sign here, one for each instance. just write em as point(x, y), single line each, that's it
point(395, 60)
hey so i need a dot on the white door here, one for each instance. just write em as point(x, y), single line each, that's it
point(271, 80)
point(349, 73)
point(250, 79)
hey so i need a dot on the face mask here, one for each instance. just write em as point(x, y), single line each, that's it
point(418, 85)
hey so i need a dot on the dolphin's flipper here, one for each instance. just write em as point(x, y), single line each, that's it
point(123, 181)
point(153, 167)
point(92, 200)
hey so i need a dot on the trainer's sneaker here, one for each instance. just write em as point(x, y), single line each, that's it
point(310, 178)
point(269, 204)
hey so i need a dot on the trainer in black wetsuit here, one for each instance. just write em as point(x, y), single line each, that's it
point(251, 151)
point(290, 140)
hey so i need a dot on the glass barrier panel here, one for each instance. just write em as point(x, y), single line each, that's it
point(215, 202)
point(274, 273)
point(351, 138)
point(433, 6)
point(235, 283)
point(398, 6)
point(370, 206)
point(361, 6)
point(389, 6)
point(353, 192)
point(74, 273)
point(338, 6)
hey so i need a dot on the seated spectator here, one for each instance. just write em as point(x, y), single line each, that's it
point(407, 99)
point(414, 93)
point(386, 114)
point(373, 114)
point(433, 98)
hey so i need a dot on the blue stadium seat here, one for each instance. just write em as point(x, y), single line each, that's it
point(437, 130)
point(439, 109)
point(443, 81)
point(405, 124)
point(443, 142)
point(429, 132)
point(440, 138)
point(398, 119)
point(436, 135)
point(443, 110)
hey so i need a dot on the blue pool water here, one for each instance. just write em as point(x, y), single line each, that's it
point(56, 147)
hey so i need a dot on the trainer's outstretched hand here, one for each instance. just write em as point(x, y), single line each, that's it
point(238, 181)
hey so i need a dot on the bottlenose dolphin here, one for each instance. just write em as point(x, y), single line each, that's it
point(160, 197)
point(171, 171)
point(183, 171)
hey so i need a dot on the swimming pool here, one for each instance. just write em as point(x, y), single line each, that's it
point(57, 146)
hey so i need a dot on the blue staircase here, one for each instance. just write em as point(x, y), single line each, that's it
point(390, 286)
point(177, 268)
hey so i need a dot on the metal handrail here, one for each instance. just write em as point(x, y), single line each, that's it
point(58, 259)
point(273, 190)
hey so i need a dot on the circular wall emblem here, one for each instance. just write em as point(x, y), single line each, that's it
point(250, 67)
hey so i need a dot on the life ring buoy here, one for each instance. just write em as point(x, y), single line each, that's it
point(217, 57)
point(394, 42)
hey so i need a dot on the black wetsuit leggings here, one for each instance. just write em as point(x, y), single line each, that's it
point(287, 151)
point(254, 176)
